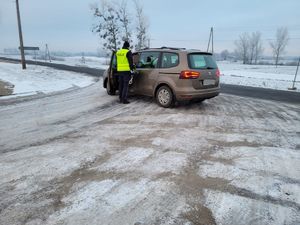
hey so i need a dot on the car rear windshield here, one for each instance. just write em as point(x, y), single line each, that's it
point(201, 61)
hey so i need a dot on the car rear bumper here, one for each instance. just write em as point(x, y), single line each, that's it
point(197, 94)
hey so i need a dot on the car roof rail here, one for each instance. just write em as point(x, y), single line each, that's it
point(144, 48)
point(172, 48)
point(164, 47)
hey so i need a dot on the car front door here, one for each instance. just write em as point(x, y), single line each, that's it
point(112, 78)
point(148, 69)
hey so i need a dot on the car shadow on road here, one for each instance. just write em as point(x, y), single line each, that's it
point(181, 104)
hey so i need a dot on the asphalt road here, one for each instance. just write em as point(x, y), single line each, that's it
point(261, 93)
point(254, 92)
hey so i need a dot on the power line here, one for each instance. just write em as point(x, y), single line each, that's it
point(197, 40)
point(273, 27)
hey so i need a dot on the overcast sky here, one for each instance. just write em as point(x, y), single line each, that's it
point(66, 24)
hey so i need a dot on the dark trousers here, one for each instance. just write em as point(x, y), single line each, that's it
point(124, 78)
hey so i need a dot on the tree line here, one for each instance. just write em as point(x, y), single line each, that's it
point(115, 22)
point(249, 47)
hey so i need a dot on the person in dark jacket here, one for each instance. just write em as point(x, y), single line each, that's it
point(125, 70)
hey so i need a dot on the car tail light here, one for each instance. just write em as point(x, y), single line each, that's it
point(187, 74)
point(218, 73)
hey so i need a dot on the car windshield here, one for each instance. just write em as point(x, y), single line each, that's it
point(201, 61)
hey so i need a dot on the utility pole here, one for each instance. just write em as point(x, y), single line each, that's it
point(47, 54)
point(211, 38)
point(83, 58)
point(21, 37)
point(293, 87)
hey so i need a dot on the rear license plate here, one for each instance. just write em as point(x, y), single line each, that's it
point(209, 82)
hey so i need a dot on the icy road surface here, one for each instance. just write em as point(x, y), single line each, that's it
point(82, 158)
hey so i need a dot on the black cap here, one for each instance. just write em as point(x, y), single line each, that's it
point(126, 44)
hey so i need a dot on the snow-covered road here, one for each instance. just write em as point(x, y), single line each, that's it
point(83, 158)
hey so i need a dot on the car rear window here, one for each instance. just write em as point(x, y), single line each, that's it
point(201, 61)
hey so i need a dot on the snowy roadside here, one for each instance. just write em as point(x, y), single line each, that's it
point(280, 78)
point(39, 79)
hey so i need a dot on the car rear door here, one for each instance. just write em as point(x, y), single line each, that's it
point(112, 78)
point(148, 69)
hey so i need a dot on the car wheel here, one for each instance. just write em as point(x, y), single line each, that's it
point(164, 97)
point(109, 90)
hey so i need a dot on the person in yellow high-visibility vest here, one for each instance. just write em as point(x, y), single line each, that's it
point(124, 69)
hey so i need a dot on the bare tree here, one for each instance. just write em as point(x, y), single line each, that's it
point(224, 54)
point(279, 44)
point(242, 47)
point(108, 26)
point(142, 26)
point(114, 24)
point(125, 20)
point(255, 47)
point(258, 48)
point(251, 44)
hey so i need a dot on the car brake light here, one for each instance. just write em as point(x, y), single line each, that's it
point(218, 73)
point(187, 74)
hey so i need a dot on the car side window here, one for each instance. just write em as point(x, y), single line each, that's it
point(148, 60)
point(169, 60)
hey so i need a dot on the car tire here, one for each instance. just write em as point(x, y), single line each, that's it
point(165, 97)
point(109, 90)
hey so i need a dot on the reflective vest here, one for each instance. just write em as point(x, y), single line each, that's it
point(122, 61)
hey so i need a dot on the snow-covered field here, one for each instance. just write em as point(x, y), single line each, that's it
point(87, 61)
point(280, 78)
point(40, 79)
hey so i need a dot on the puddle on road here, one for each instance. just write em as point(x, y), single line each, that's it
point(6, 88)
